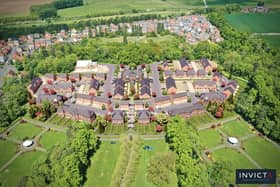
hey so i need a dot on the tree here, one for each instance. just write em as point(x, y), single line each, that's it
point(47, 109)
point(220, 173)
point(161, 169)
point(162, 118)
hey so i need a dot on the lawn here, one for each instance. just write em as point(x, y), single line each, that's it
point(238, 160)
point(269, 3)
point(24, 130)
point(199, 120)
point(93, 7)
point(263, 152)
point(8, 149)
point(274, 41)
point(255, 23)
point(210, 138)
point(158, 146)
point(236, 128)
point(51, 138)
point(22, 166)
point(103, 162)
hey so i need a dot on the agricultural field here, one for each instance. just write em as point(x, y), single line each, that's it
point(255, 23)
point(92, 7)
point(18, 7)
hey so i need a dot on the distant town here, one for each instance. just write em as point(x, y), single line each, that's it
point(194, 28)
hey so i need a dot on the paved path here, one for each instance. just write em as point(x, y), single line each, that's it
point(3, 134)
point(155, 75)
point(10, 161)
point(208, 125)
point(205, 4)
point(247, 137)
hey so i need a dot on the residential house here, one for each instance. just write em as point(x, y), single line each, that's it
point(201, 73)
point(180, 74)
point(168, 73)
point(190, 73)
point(206, 65)
point(94, 87)
point(119, 88)
point(100, 76)
point(118, 117)
point(62, 77)
point(34, 85)
point(179, 97)
point(213, 97)
point(170, 85)
point(50, 78)
point(203, 85)
point(75, 77)
point(184, 64)
point(143, 117)
point(85, 99)
point(87, 77)
point(162, 100)
point(48, 97)
point(145, 90)
point(186, 110)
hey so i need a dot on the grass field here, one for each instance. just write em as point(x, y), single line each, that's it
point(236, 128)
point(158, 146)
point(237, 159)
point(274, 41)
point(8, 149)
point(199, 120)
point(268, 3)
point(210, 138)
point(24, 130)
point(51, 138)
point(263, 152)
point(18, 7)
point(22, 166)
point(92, 7)
point(103, 162)
point(255, 23)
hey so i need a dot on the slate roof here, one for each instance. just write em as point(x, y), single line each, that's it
point(179, 73)
point(84, 96)
point(145, 90)
point(185, 109)
point(170, 82)
point(190, 72)
point(118, 115)
point(201, 72)
point(168, 73)
point(51, 98)
point(182, 94)
point(213, 96)
point(204, 62)
point(131, 74)
point(35, 84)
point(74, 75)
point(161, 98)
point(76, 110)
point(230, 89)
point(94, 83)
point(204, 82)
point(50, 76)
point(62, 75)
point(143, 115)
point(101, 99)
point(119, 90)
point(183, 62)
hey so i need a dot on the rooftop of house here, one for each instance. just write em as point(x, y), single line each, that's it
point(162, 98)
point(118, 115)
point(168, 73)
point(143, 115)
point(170, 82)
point(84, 96)
point(183, 62)
point(94, 83)
point(179, 73)
point(145, 90)
point(204, 83)
point(35, 83)
point(190, 72)
point(201, 72)
point(204, 62)
point(213, 96)
point(181, 109)
point(131, 74)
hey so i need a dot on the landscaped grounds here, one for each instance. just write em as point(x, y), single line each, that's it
point(104, 161)
point(52, 138)
point(24, 131)
point(236, 128)
point(210, 138)
point(8, 149)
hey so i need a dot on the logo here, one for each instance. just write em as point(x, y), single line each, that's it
point(255, 176)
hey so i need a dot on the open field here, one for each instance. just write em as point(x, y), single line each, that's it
point(24, 130)
point(92, 7)
point(200, 120)
point(210, 138)
point(274, 41)
point(8, 149)
point(236, 128)
point(22, 166)
point(158, 146)
point(268, 3)
point(103, 162)
point(18, 7)
point(263, 152)
point(255, 23)
point(52, 138)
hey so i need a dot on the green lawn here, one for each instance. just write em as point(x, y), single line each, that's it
point(274, 41)
point(199, 120)
point(237, 128)
point(93, 7)
point(103, 162)
point(51, 138)
point(24, 130)
point(238, 160)
point(263, 152)
point(259, 23)
point(210, 138)
point(20, 167)
point(269, 3)
point(8, 149)
point(158, 146)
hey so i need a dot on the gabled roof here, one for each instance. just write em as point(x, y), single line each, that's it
point(170, 82)
point(83, 96)
point(201, 72)
point(145, 82)
point(161, 98)
point(213, 96)
point(168, 73)
point(101, 99)
point(51, 98)
point(145, 90)
point(94, 84)
point(118, 115)
point(35, 84)
point(185, 109)
point(204, 62)
point(143, 115)
point(182, 94)
point(204, 83)
point(179, 73)
point(119, 90)
point(190, 72)
point(183, 62)
point(131, 74)
point(62, 75)
point(118, 83)
point(230, 89)
point(74, 75)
